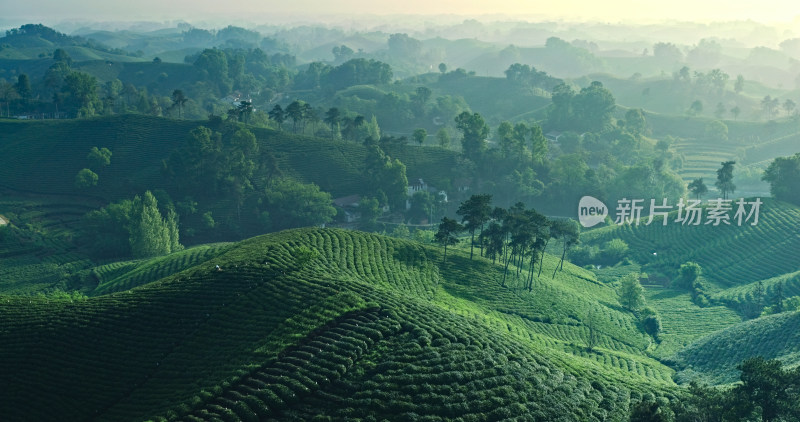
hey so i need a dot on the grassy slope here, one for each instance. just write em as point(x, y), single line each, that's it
point(713, 359)
point(36, 251)
point(682, 321)
point(139, 143)
point(372, 326)
point(121, 276)
point(730, 255)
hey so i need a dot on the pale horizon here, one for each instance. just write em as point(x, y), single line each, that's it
point(253, 11)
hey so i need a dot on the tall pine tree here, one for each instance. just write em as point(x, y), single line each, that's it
point(150, 234)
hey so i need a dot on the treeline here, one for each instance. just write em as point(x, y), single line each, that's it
point(222, 167)
point(65, 92)
point(783, 175)
point(512, 235)
point(71, 90)
point(526, 75)
point(224, 184)
point(359, 71)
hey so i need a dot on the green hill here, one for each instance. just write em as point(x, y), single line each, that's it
point(730, 255)
point(714, 358)
point(46, 207)
point(57, 149)
point(37, 251)
point(496, 98)
point(364, 327)
point(120, 276)
point(742, 295)
point(703, 158)
point(683, 322)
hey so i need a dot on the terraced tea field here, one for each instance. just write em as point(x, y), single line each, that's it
point(765, 152)
point(703, 158)
point(682, 321)
point(371, 327)
point(37, 251)
point(730, 255)
point(714, 358)
point(740, 295)
point(120, 276)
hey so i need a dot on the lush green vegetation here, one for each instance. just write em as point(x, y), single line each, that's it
point(353, 322)
point(145, 142)
point(125, 275)
point(712, 360)
point(730, 255)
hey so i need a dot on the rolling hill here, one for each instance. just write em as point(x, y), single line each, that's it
point(58, 148)
point(730, 255)
point(331, 324)
point(713, 359)
point(707, 343)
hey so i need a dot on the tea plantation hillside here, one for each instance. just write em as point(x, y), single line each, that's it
point(57, 150)
point(713, 359)
point(36, 247)
point(120, 276)
point(328, 322)
point(730, 255)
point(45, 156)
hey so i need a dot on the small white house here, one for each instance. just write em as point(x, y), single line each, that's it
point(553, 136)
point(419, 185)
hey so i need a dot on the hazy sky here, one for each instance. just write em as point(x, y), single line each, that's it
point(252, 10)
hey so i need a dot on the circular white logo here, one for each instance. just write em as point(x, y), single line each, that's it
point(591, 211)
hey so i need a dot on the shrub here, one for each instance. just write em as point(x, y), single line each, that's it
point(86, 179)
point(584, 255)
point(631, 293)
point(613, 251)
point(689, 273)
point(652, 325)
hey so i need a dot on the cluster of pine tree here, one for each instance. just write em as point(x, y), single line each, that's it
point(150, 233)
point(134, 228)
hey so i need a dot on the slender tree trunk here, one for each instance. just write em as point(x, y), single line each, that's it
point(480, 237)
point(471, 244)
point(561, 264)
point(530, 271)
point(541, 259)
point(505, 271)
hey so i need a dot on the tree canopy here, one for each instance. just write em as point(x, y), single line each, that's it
point(474, 131)
point(783, 175)
point(290, 204)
